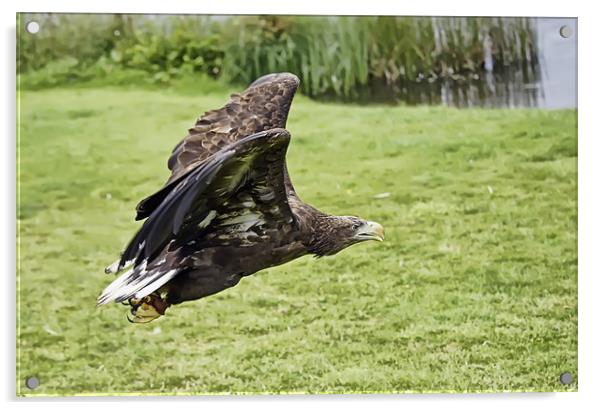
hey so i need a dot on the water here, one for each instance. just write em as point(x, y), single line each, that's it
point(550, 82)
point(558, 63)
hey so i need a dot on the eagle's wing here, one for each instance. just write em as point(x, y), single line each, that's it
point(262, 106)
point(251, 169)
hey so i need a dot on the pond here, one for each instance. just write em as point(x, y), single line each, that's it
point(550, 83)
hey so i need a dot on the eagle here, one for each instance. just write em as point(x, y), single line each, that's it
point(228, 210)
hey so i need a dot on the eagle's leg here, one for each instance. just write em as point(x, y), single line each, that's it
point(147, 309)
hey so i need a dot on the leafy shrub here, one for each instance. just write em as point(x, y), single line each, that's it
point(170, 55)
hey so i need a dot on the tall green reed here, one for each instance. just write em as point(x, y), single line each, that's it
point(340, 55)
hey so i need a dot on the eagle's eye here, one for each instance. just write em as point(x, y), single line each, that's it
point(356, 225)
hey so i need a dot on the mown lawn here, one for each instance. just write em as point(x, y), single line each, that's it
point(474, 289)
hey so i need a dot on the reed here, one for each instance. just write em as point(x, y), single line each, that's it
point(341, 55)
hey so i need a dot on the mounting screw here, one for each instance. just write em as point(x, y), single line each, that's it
point(566, 31)
point(566, 378)
point(32, 27)
point(32, 383)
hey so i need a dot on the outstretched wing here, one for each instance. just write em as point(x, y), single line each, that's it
point(250, 170)
point(264, 105)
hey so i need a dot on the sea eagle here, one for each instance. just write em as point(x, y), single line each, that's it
point(228, 209)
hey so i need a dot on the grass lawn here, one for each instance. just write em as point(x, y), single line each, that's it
point(474, 289)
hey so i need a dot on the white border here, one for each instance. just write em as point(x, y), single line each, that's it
point(590, 204)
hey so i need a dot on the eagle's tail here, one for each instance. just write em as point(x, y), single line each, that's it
point(136, 283)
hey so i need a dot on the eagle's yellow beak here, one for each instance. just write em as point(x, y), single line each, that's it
point(371, 231)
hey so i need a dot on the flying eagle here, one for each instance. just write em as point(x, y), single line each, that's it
point(228, 209)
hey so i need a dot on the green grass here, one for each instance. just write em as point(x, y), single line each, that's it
point(474, 289)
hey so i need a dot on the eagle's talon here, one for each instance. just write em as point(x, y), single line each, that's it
point(147, 309)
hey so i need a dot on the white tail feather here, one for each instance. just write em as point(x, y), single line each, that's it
point(136, 283)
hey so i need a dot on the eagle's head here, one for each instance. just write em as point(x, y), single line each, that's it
point(336, 233)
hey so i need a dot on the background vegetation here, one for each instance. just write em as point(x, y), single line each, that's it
point(340, 57)
point(474, 289)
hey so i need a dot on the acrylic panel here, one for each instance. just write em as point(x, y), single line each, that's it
point(295, 204)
